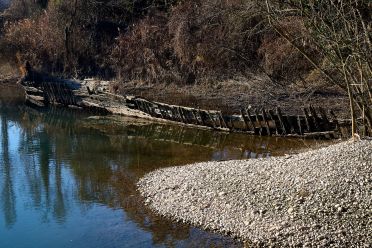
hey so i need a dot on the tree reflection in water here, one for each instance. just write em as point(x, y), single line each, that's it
point(8, 201)
point(68, 157)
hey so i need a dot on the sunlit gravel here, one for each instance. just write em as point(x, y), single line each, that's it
point(317, 198)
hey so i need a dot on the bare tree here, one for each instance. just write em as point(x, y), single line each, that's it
point(341, 31)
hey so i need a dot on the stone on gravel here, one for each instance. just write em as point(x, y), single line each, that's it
point(320, 198)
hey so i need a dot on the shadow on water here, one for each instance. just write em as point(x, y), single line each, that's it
point(56, 162)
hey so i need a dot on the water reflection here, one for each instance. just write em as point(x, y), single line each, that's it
point(59, 167)
point(7, 192)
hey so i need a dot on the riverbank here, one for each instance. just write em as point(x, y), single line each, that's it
point(317, 198)
point(10, 91)
point(230, 96)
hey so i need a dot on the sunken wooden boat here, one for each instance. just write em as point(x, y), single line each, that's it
point(95, 95)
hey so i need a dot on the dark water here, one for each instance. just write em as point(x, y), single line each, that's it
point(68, 180)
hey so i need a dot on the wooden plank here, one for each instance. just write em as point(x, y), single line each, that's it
point(323, 113)
point(315, 118)
point(143, 106)
point(334, 119)
point(258, 121)
point(152, 111)
point(200, 113)
point(137, 104)
point(250, 119)
point(211, 119)
point(222, 119)
point(282, 121)
point(299, 125)
point(35, 100)
point(232, 126)
point(33, 91)
point(245, 120)
point(169, 112)
point(219, 120)
point(307, 120)
point(163, 112)
point(160, 111)
point(198, 117)
point(187, 115)
point(275, 120)
point(181, 115)
point(196, 121)
point(265, 119)
point(292, 123)
point(176, 114)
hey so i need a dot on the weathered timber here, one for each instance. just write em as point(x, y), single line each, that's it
point(200, 113)
point(35, 100)
point(334, 118)
point(276, 122)
point(245, 120)
point(315, 118)
point(265, 119)
point(258, 122)
point(299, 125)
point(307, 120)
point(323, 114)
point(250, 118)
point(223, 122)
point(212, 120)
point(283, 124)
point(95, 96)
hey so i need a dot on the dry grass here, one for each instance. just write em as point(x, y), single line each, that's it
point(230, 95)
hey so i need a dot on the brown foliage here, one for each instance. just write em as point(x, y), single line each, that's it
point(279, 58)
point(213, 36)
point(199, 39)
point(193, 41)
point(144, 53)
point(36, 40)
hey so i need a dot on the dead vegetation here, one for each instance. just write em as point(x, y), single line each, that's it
point(298, 49)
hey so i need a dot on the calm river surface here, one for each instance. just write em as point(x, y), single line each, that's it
point(68, 179)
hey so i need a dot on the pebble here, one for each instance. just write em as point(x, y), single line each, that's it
point(269, 202)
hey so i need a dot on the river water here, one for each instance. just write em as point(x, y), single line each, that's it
point(68, 179)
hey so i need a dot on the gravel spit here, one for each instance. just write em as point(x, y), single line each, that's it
point(320, 198)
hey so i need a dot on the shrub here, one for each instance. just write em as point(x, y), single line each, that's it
point(144, 53)
point(216, 36)
point(37, 40)
point(279, 58)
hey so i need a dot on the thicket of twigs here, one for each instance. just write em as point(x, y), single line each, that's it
point(156, 41)
point(188, 41)
point(341, 33)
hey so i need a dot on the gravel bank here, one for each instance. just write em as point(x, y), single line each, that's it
point(318, 198)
